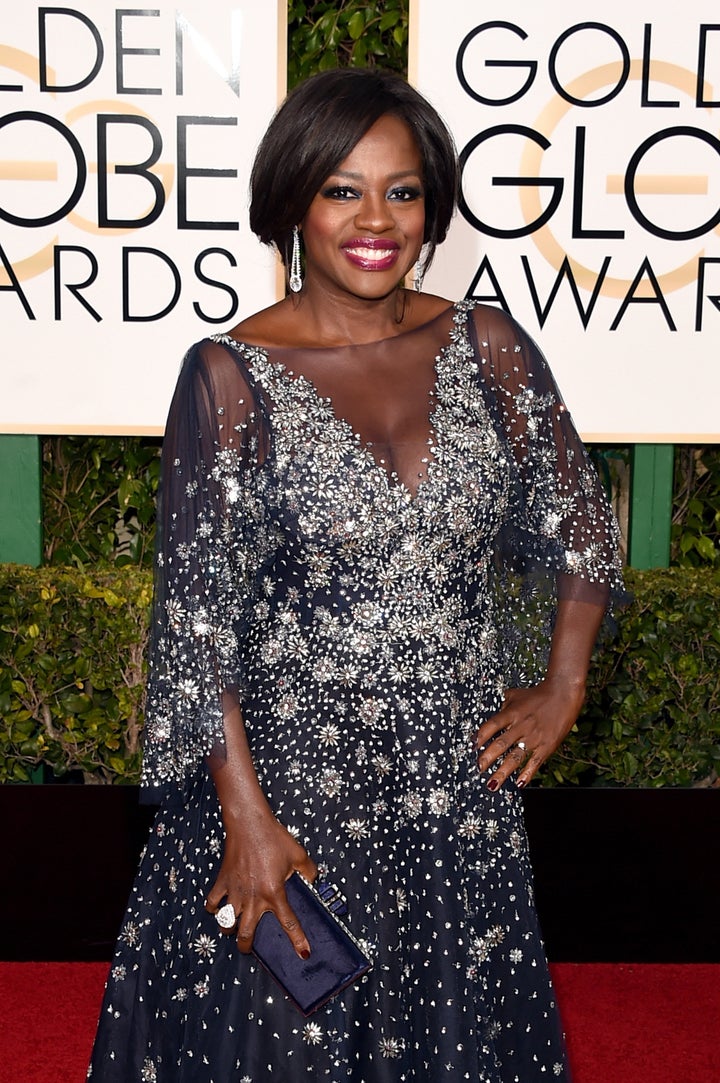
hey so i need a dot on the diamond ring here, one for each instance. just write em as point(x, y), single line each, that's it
point(225, 916)
point(521, 745)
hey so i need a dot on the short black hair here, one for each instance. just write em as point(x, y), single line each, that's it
point(316, 128)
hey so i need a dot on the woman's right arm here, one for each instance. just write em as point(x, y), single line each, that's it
point(212, 541)
point(259, 854)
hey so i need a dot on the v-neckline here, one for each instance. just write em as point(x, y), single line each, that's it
point(280, 371)
point(392, 478)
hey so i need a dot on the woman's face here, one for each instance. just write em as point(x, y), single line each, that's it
point(364, 229)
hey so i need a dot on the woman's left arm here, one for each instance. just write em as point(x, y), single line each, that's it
point(560, 529)
point(541, 717)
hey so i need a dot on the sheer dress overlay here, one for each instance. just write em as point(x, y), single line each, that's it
point(363, 546)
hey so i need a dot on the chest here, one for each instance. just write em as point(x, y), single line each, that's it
point(419, 457)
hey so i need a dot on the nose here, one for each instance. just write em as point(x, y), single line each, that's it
point(374, 213)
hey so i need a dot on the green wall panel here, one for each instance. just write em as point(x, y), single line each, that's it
point(651, 505)
point(20, 506)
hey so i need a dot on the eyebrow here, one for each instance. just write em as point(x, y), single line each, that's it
point(390, 176)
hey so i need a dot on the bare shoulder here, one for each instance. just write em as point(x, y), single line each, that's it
point(424, 307)
point(271, 327)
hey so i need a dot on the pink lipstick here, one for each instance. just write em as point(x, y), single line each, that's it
point(371, 253)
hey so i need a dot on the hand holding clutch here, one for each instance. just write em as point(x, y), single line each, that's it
point(335, 961)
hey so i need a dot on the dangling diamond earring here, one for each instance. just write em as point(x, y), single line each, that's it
point(419, 271)
point(295, 269)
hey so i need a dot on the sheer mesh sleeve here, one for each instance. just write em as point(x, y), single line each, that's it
point(213, 542)
point(561, 539)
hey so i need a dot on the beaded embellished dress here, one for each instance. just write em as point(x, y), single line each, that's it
point(367, 601)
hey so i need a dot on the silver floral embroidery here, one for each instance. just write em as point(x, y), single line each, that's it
point(205, 946)
point(390, 1047)
point(312, 1033)
point(366, 625)
point(148, 1073)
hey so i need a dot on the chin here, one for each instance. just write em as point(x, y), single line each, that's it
point(374, 288)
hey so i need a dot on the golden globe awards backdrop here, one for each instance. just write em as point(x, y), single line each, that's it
point(589, 137)
point(126, 137)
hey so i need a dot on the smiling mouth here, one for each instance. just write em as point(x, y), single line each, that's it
point(372, 255)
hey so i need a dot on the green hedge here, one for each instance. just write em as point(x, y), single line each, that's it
point(652, 712)
point(326, 34)
point(71, 680)
point(72, 647)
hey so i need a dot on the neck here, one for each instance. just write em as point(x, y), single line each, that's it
point(328, 320)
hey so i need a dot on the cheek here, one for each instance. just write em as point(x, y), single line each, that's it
point(321, 225)
point(415, 223)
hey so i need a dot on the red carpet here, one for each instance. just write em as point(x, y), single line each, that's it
point(626, 1024)
point(641, 1023)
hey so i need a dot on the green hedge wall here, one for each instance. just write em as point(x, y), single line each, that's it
point(72, 672)
point(652, 712)
point(72, 669)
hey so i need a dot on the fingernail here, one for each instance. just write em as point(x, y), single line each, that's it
point(520, 783)
point(493, 784)
point(305, 954)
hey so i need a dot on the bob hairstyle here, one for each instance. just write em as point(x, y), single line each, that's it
point(315, 129)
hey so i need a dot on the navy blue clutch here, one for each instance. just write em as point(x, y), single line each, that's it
point(335, 958)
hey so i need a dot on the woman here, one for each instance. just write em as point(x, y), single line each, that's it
point(357, 483)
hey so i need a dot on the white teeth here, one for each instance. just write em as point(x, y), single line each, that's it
point(371, 253)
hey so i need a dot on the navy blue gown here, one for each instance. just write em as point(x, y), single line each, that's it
point(367, 602)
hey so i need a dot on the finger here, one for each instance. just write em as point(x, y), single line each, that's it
point(308, 869)
point(246, 931)
point(497, 722)
point(514, 758)
point(495, 750)
point(488, 730)
point(288, 919)
point(215, 897)
point(530, 769)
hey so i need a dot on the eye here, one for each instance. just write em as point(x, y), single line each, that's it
point(340, 192)
point(405, 193)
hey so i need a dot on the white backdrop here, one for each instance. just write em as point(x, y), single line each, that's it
point(126, 138)
point(590, 132)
